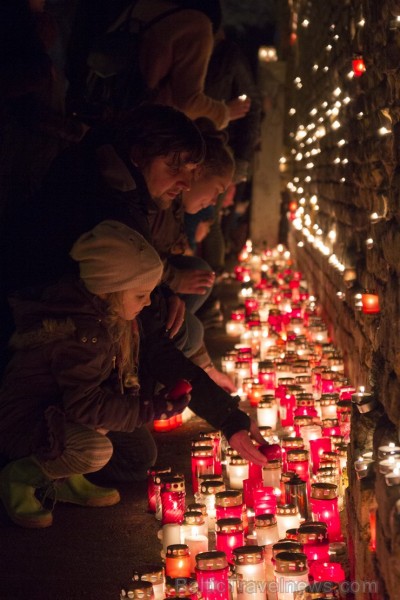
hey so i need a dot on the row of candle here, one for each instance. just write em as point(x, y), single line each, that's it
point(241, 528)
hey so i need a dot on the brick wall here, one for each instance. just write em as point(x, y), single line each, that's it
point(342, 147)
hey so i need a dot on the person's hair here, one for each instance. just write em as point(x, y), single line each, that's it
point(158, 130)
point(124, 334)
point(218, 158)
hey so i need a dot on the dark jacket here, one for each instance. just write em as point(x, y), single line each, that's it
point(64, 369)
point(87, 185)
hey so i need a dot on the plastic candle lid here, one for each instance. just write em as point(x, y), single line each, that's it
point(248, 555)
point(323, 491)
point(291, 562)
point(229, 498)
point(211, 561)
point(266, 520)
point(230, 525)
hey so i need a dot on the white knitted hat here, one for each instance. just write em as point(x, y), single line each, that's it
point(113, 257)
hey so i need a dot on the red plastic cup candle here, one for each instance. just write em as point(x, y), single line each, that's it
point(330, 427)
point(297, 460)
point(327, 571)
point(249, 485)
point(289, 443)
point(229, 534)
point(324, 507)
point(151, 486)
point(264, 500)
point(370, 304)
point(202, 463)
point(229, 505)
point(317, 449)
point(314, 538)
point(212, 575)
point(173, 499)
point(177, 561)
point(267, 375)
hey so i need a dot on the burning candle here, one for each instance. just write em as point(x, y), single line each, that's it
point(370, 304)
point(388, 464)
point(363, 466)
point(207, 493)
point(315, 542)
point(330, 427)
point(393, 477)
point(267, 412)
point(183, 587)
point(229, 504)
point(327, 571)
point(388, 450)
point(271, 473)
point(296, 494)
point(173, 499)
point(310, 432)
point(329, 406)
point(228, 362)
point(212, 575)
point(177, 561)
point(249, 485)
point(324, 507)
point(235, 326)
point(156, 576)
point(287, 517)
point(256, 392)
point(264, 500)
point(266, 529)
point(250, 572)
point(291, 574)
point(194, 524)
point(297, 461)
point(267, 375)
point(229, 534)
point(154, 483)
point(202, 462)
point(137, 589)
point(238, 470)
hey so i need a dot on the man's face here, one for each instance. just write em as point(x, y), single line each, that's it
point(167, 176)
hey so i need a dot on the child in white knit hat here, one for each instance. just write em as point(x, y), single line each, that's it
point(73, 375)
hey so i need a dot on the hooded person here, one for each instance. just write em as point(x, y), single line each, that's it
point(73, 374)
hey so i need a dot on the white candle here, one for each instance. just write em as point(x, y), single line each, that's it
point(196, 544)
point(169, 534)
point(238, 470)
point(267, 414)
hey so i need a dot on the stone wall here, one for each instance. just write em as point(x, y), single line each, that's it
point(342, 150)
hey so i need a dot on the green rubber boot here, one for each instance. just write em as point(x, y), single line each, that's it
point(78, 490)
point(18, 482)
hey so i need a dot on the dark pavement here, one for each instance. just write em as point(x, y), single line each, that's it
point(89, 552)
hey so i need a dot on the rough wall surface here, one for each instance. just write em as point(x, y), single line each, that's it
point(342, 167)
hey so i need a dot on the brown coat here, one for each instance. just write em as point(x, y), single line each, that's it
point(63, 369)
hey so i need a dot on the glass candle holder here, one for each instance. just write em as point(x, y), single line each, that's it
point(154, 485)
point(329, 406)
point(238, 470)
point(291, 574)
point(310, 432)
point(172, 499)
point(206, 495)
point(194, 524)
point(250, 572)
point(137, 589)
point(202, 461)
point(155, 575)
point(229, 504)
point(264, 500)
point(388, 450)
point(285, 477)
point(388, 464)
point(228, 361)
point(364, 466)
point(267, 412)
point(183, 587)
point(229, 534)
point(212, 575)
point(267, 375)
point(285, 545)
point(324, 507)
point(255, 471)
point(169, 534)
point(177, 561)
point(315, 542)
point(287, 517)
point(330, 427)
point(297, 460)
point(271, 474)
point(266, 529)
point(317, 449)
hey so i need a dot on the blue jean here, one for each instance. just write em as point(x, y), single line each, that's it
point(191, 335)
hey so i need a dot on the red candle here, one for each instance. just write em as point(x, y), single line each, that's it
point(317, 448)
point(297, 461)
point(249, 485)
point(229, 534)
point(172, 499)
point(370, 304)
point(212, 575)
point(315, 542)
point(152, 474)
point(327, 571)
point(330, 427)
point(202, 463)
point(358, 65)
point(229, 505)
point(264, 499)
point(163, 424)
point(267, 375)
point(324, 507)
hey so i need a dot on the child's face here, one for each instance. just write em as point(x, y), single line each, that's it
point(204, 192)
point(132, 303)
